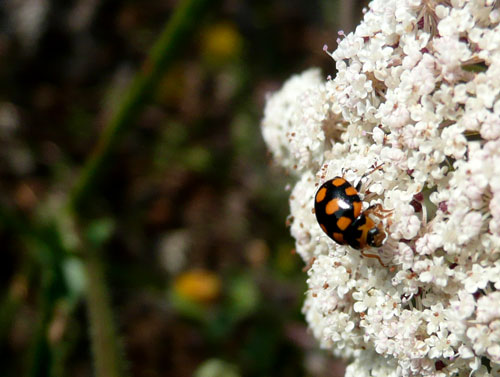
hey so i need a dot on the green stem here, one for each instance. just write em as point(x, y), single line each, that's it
point(49, 254)
point(106, 349)
point(144, 84)
point(105, 344)
point(44, 250)
point(40, 360)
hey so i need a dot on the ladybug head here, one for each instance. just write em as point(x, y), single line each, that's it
point(376, 236)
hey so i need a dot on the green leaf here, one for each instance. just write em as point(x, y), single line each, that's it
point(74, 274)
point(243, 296)
point(188, 308)
point(99, 231)
point(216, 368)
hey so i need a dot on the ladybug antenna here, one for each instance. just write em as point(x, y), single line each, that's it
point(374, 169)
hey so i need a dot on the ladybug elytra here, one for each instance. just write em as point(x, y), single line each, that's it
point(338, 210)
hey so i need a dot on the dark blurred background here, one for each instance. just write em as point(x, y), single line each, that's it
point(189, 213)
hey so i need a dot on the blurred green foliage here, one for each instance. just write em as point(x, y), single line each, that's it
point(164, 179)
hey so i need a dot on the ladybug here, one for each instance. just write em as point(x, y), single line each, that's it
point(338, 210)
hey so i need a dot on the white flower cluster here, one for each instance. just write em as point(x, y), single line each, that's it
point(417, 92)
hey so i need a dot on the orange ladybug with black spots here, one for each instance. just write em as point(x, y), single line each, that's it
point(338, 207)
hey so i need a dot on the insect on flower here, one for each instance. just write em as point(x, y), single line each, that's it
point(338, 207)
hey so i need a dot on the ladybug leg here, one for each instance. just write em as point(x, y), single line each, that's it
point(373, 256)
point(379, 211)
point(309, 264)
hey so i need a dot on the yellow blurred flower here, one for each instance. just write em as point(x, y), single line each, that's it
point(221, 42)
point(198, 285)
